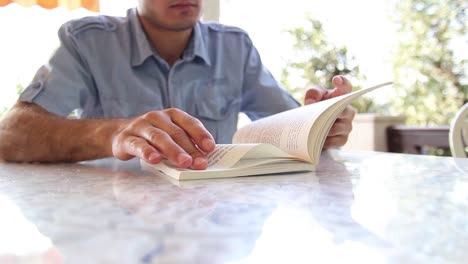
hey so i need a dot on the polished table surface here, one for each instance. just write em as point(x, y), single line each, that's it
point(357, 207)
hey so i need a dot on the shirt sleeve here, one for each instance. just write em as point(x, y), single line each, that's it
point(62, 85)
point(262, 94)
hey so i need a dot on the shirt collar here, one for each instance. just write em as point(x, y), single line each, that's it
point(141, 48)
point(198, 46)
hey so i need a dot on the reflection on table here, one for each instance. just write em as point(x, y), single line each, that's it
point(357, 207)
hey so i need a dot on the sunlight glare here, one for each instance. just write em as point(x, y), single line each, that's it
point(19, 236)
point(291, 235)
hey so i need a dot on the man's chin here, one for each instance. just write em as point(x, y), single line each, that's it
point(173, 24)
point(181, 26)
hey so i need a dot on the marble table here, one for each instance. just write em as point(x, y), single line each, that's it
point(358, 207)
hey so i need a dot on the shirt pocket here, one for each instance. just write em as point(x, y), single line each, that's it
point(217, 107)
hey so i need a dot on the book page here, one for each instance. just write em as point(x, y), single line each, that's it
point(234, 159)
point(300, 132)
point(223, 157)
point(226, 155)
point(288, 132)
point(331, 109)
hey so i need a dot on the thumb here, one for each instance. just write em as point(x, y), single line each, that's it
point(315, 94)
point(342, 86)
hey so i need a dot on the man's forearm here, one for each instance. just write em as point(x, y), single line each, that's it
point(29, 133)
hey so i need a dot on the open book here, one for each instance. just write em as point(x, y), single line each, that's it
point(285, 142)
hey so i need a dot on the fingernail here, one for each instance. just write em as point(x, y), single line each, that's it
point(200, 162)
point(154, 157)
point(309, 101)
point(339, 79)
point(183, 158)
point(208, 143)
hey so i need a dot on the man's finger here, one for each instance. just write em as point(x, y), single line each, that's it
point(165, 144)
point(180, 137)
point(348, 113)
point(138, 147)
point(194, 130)
point(342, 86)
point(340, 128)
point(335, 141)
point(315, 94)
point(185, 132)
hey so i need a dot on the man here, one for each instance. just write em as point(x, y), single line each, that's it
point(157, 83)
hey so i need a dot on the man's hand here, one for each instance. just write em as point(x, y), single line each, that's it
point(340, 130)
point(170, 133)
point(29, 133)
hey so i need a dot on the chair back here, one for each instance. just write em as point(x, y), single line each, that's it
point(458, 134)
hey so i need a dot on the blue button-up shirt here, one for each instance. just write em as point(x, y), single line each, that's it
point(105, 67)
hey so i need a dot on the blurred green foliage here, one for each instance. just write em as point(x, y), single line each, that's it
point(316, 61)
point(431, 79)
point(19, 88)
